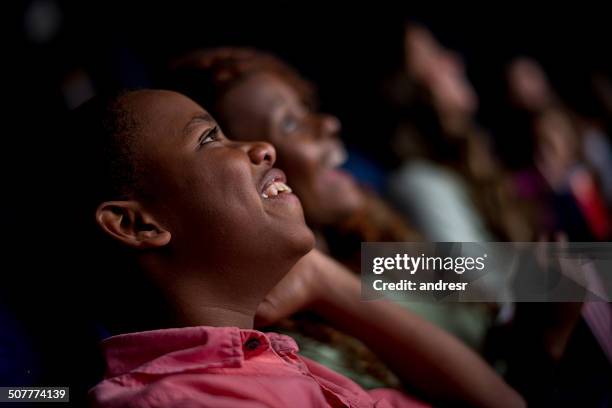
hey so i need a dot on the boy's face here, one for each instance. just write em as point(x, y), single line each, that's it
point(210, 192)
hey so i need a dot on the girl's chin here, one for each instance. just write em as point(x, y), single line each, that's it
point(336, 176)
point(333, 212)
point(341, 198)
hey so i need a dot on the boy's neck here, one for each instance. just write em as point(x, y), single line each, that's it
point(202, 298)
point(197, 304)
point(193, 314)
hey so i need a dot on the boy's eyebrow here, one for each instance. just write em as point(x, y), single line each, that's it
point(201, 116)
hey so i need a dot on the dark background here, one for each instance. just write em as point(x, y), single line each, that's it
point(346, 50)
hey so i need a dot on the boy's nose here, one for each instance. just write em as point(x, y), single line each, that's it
point(260, 152)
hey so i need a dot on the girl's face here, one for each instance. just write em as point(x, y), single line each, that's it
point(265, 107)
point(221, 200)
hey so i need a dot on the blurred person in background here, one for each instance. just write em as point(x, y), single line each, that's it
point(568, 156)
point(451, 181)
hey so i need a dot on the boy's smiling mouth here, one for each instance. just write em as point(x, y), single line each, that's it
point(274, 183)
point(276, 188)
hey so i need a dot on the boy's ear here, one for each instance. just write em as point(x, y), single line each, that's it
point(128, 223)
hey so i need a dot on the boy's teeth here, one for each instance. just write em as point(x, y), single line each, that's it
point(275, 188)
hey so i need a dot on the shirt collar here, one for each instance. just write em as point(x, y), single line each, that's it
point(169, 351)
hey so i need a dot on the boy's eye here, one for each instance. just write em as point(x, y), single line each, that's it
point(210, 135)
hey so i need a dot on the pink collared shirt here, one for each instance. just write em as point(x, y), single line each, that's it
point(224, 367)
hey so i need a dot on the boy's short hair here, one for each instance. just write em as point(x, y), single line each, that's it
point(102, 132)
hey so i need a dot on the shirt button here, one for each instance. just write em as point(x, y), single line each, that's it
point(252, 344)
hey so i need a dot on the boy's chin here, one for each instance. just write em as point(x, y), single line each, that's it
point(304, 241)
point(290, 244)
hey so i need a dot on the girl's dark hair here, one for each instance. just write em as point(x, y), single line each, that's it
point(206, 75)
